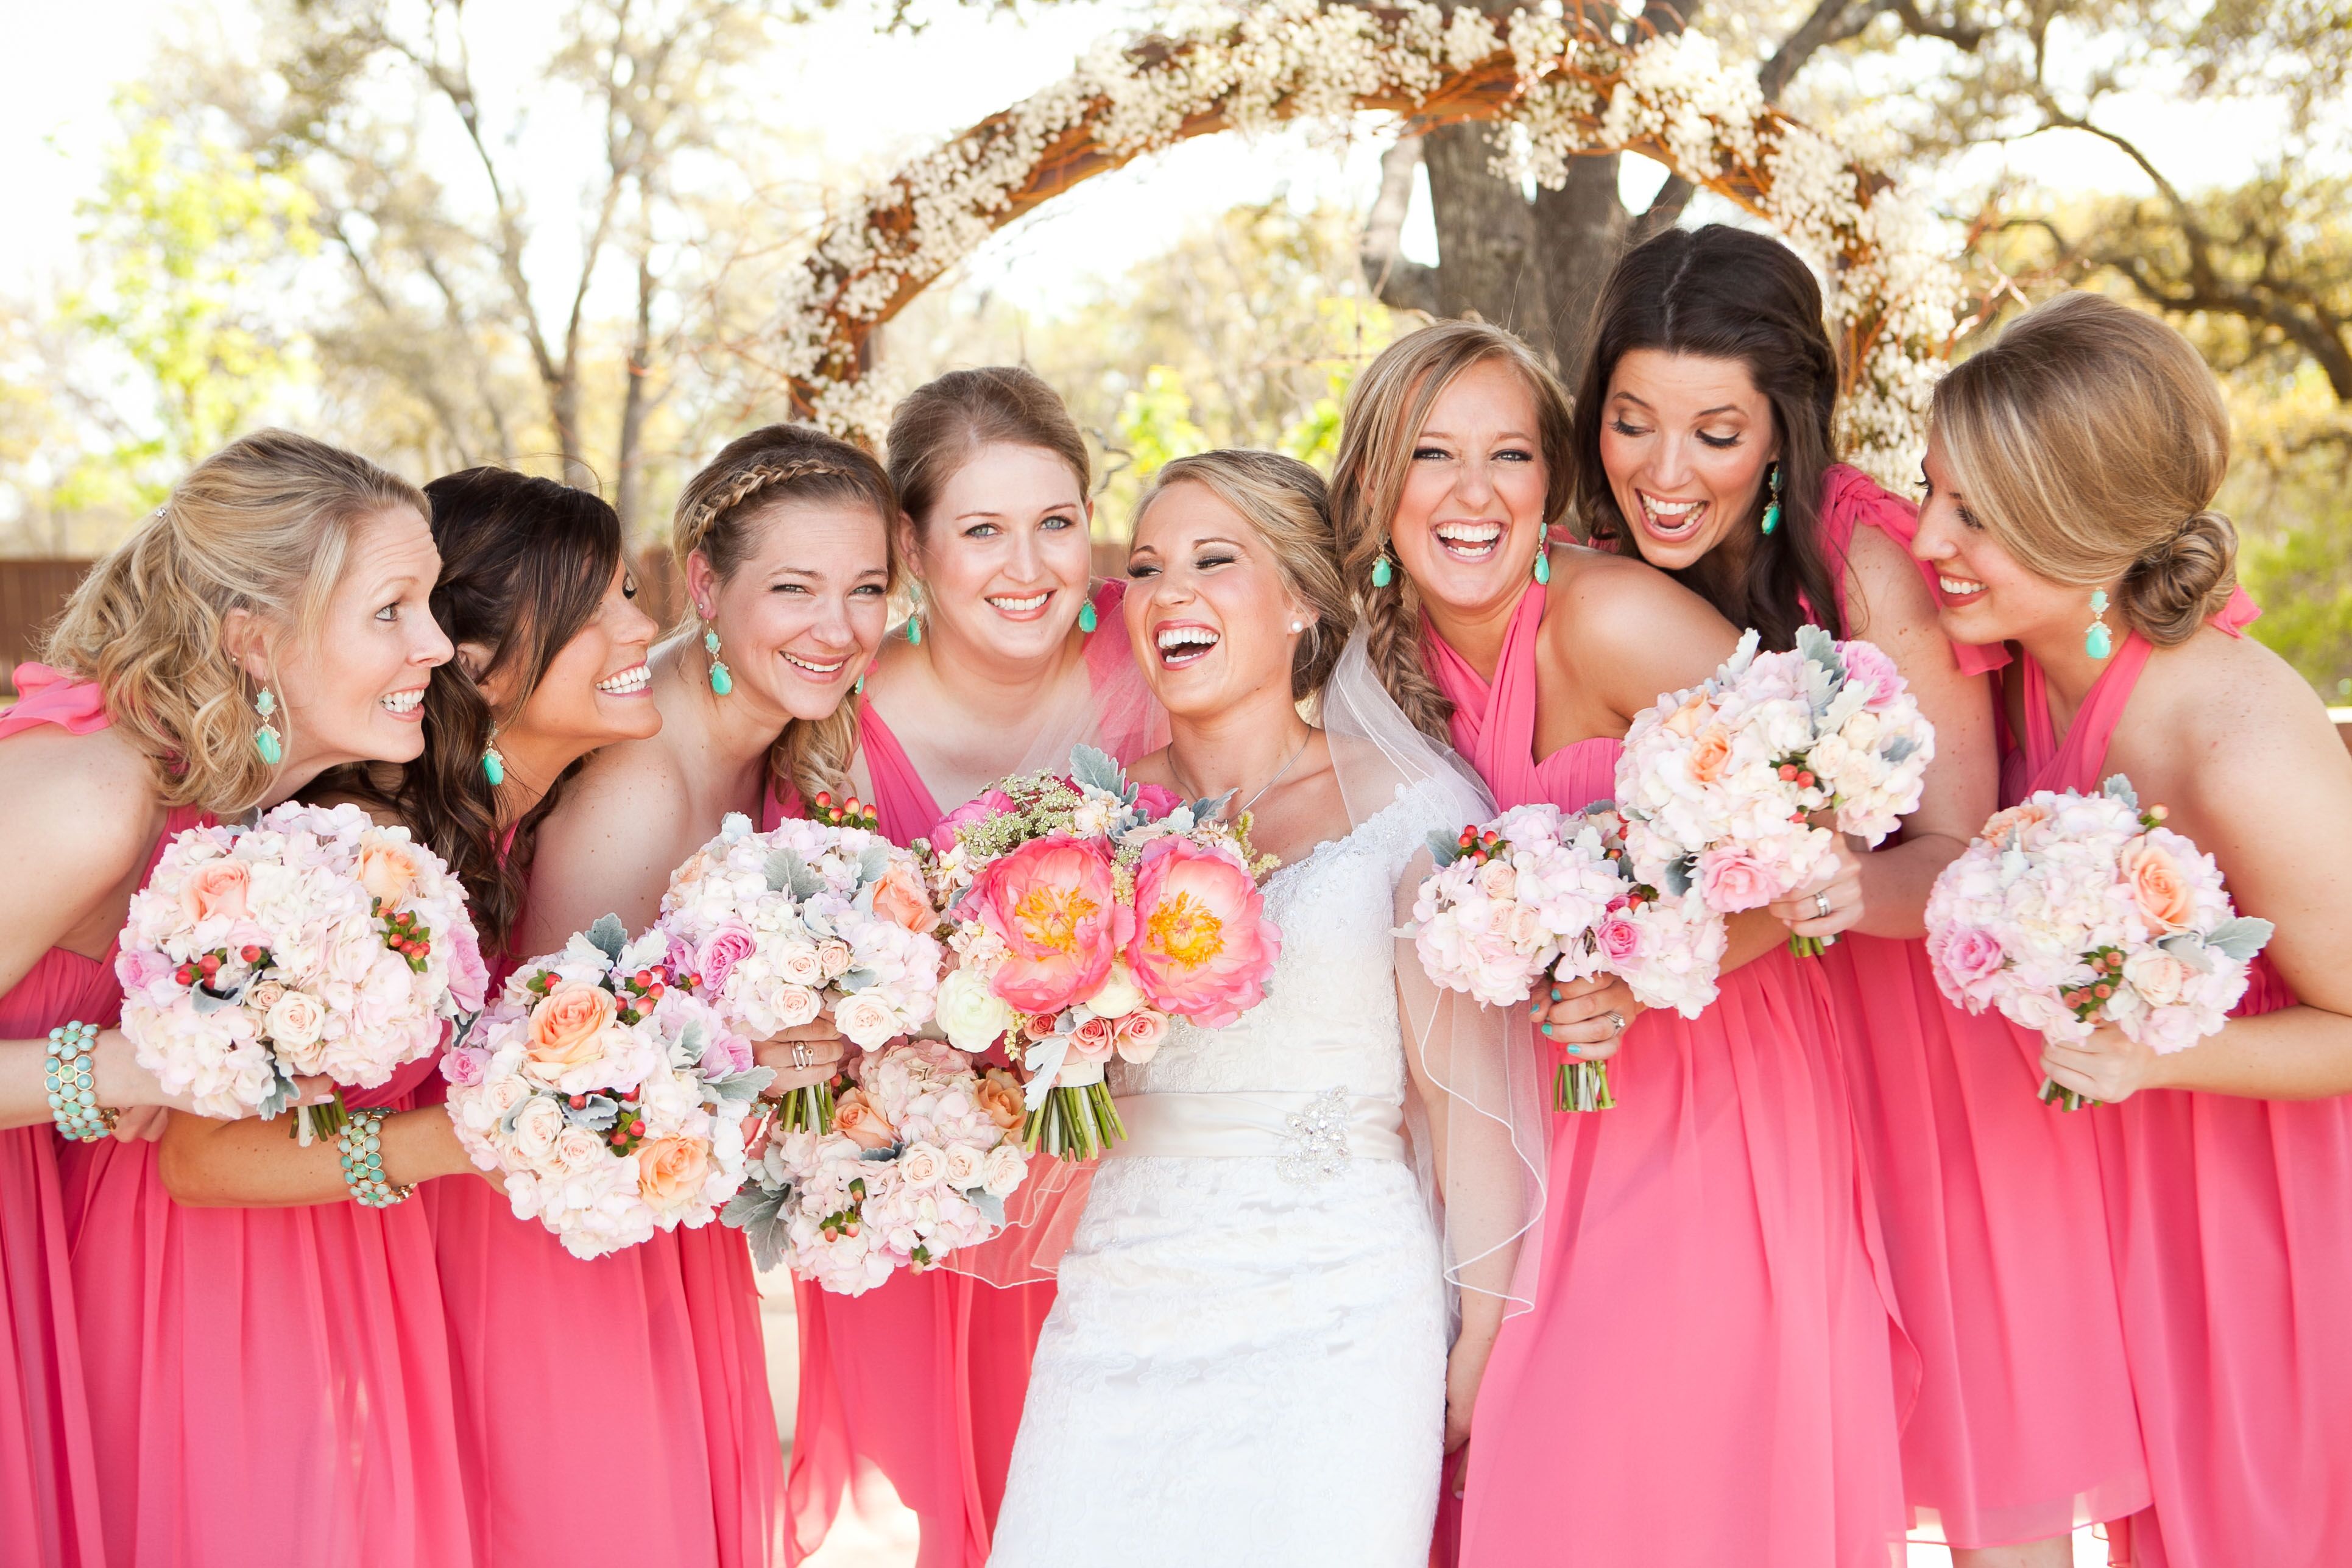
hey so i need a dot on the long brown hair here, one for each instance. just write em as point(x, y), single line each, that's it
point(720, 513)
point(1386, 409)
point(939, 425)
point(525, 565)
point(1724, 293)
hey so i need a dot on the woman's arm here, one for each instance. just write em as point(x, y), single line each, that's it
point(259, 1164)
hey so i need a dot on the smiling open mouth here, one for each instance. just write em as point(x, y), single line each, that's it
point(626, 683)
point(1954, 588)
point(403, 704)
point(1180, 646)
point(1024, 607)
point(821, 671)
point(1470, 541)
point(1671, 519)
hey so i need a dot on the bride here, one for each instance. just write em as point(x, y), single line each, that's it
point(1249, 1360)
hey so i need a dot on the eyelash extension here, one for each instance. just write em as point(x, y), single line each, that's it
point(1718, 442)
point(1625, 429)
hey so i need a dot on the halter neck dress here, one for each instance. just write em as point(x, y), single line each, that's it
point(1713, 1371)
point(920, 1383)
point(1990, 1206)
point(2230, 1224)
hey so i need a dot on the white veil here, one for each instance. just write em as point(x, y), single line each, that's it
point(1481, 1141)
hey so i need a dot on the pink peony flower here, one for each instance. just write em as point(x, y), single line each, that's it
point(1203, 947)
point(1867, 665)
point(988, 802)
point(721, 951)
point(1732, 879)
point(1053, 905)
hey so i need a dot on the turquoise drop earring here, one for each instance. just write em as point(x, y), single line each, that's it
point(2098, 641)
point(494, 764)
point(915, 629)
point(722, 681)
point(1382, 573)
point(1086, 619)
point(266, 740)
point(1772, 512)
point(1543, 561)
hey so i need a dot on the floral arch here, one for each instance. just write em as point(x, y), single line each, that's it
point(1559, 84)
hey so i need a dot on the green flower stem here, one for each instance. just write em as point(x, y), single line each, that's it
point(1582, 1086)
point(321, 1120)
point(808, 1108)
point(2063, 1098)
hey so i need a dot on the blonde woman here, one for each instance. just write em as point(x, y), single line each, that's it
point(265, 1384)
point(782, 544)
point(2071, 472)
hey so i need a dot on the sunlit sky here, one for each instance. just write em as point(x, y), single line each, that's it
point(855, 99)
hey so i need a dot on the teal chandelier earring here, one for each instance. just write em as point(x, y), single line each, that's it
point(1772, 512)
point(1543, 558)
point(266, 740)
point(1088, 619)
point(721, 682)
point(2098, 641)
point(1382, 573)
point(494, 763)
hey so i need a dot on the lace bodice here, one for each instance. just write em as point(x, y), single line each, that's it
point(1330, 1018)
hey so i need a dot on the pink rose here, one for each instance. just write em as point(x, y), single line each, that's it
point(1139, 1033)
point(1731, 879)
point(988, 802)
point(1970, 958)
point(1157, 800)
point(1094, 1040)
point(1619, 939)
point(470, 977)
point(1202, 948)
point(724, 1054)
point(680, 958)
point(215, 891)
point(463, 1065)
point(1868, 666)
point(135, 968)
point(721, 951)
point(1053, 905)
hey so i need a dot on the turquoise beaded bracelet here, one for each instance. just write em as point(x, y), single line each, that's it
point(362, 1142)
point(72, 1081)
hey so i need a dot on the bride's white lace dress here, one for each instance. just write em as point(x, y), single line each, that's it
point(1246, 1362)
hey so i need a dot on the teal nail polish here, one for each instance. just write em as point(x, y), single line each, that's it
point(1547, 1029)
point(1555, 992)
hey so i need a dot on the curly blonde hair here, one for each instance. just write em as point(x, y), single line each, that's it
point(718, 515)
point(263, 525)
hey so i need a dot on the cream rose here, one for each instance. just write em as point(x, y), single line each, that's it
point(577, 1151)
point(868, 1020)
point(962, 1168)
point(970, 1015)
point(921, 1165)
point(537, 1126)
point(295, 1020)
point(833, 956)
point(1118, 994)
point(1003, 1171)
point(797, 962)
point(387, 870)
point(2158, 977)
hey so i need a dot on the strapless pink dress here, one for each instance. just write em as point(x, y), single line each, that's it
point(1990, 1206)
point(48, 1481)
point(922, 1380)
point(2230, 1224)
point(1713, 1372)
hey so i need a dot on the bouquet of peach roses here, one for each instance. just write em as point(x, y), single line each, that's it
point(610, 1099)
point(772, 928)
point(2072, 911)
point(313, 941)
point(1088, 912)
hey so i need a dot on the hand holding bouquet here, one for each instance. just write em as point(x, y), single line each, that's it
point(769, 929)
point(612, 1100)
point(2072, 911)
point(314, 942)
point(1720, 784)
point(1088, 911)
point(1540, 891)
point(918, 1162)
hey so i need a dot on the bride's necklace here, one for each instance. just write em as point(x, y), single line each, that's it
point(1279, 773)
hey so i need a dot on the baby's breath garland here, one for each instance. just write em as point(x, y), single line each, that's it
point(1556, 85)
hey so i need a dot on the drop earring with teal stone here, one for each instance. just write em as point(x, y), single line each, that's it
point(915, 629)
point(494, 763)
point(266, 739)
point(1382, 573)
point(1543, 562)
point(1087, 620)
point(722, 681)
point(1772, 512)
point(2098, 641)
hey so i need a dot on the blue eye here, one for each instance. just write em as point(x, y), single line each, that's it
point(1059, 524)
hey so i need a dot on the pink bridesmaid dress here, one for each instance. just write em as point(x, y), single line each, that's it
point(1991, 1207)
point(1713, 1372)
point(2230, 1224)
point(48, 1479)
point(922, 1379)
point(264, 1386)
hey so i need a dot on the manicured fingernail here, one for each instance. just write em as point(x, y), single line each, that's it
point(1547, 1029)
point(1555, 992)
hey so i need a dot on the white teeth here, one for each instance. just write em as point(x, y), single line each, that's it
point(1474, 533)
point(1958, 588)
point(1018, 607)
point(637, 677)
point(402, 702)
point(1173, 638)
point(813, 667)
point(1670, 511)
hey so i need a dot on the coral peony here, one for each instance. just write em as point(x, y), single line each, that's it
point(1203, 947)
point(1052, 904)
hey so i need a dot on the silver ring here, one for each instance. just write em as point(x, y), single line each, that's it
point(1822, 906)
point(800, 1054)
point(1616, 1023)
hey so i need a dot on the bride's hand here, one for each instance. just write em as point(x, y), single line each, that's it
point(1576, 1015)
point(801, 1057)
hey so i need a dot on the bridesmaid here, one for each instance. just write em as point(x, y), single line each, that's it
point(264, 1385)
point(2078, 456)
point(784, 546)
point(1011, 661)
point(1709, 1373)
point(1704, 436)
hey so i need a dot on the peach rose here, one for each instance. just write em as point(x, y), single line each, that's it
point(2157, 887)
point(1684, 721)
point(998, 1096)
point(2030, 814)
point(1094, 1040)
point(859, 1118)
point(1709, 753)
point(387, 870)
point(833, 956)
point(1497, 879)
point(898, 895)
point(567, 1023)
point(671, 1170)
point(215, 891)
point(1139, 1033)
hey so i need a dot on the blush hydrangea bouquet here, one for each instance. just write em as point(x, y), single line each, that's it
point(920, 1154)
point(1724, 786)
point(1088, 912)
point(314, 942)
point(769, 929)
point(610, 1099)
point(1541, 891)
point(2071, 910)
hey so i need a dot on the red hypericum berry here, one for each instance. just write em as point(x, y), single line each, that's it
point(2103, 991)
point(825, 797)
point(1805, 779)
point(249, 953)
point(636, 1129)
point(579, 1103)
point(1788, 769)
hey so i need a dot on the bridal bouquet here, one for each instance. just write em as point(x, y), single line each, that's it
point(1540, 890)
point(314, 942)
point(610, 1099)
point(1721, 784)
point(1088, 912)
point(769, 929)
point(918, 1161)
point(2072, 911)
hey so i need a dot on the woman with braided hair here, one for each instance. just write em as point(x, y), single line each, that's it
point(782, 543)
point(1708, 1375)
